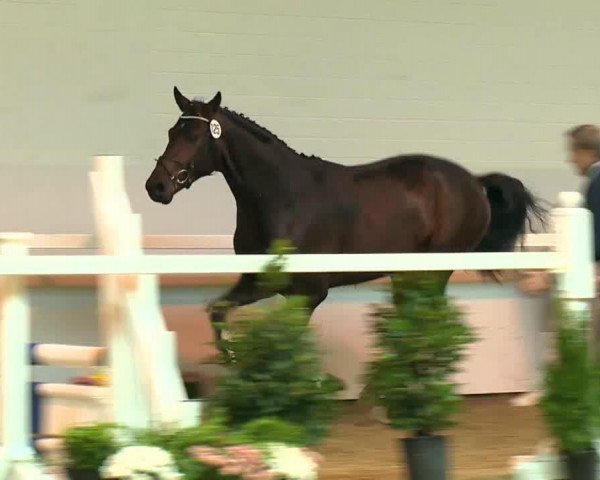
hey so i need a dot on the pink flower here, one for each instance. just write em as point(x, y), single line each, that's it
point(243, 461)
point(262, 475)
point(214, 460)
point(232, 470)
point(202, 451)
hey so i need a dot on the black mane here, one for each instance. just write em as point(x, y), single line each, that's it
point(260, 132)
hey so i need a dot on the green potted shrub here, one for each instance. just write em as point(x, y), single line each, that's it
point(273, 430)
point(420, 339)
point(275, 370)
point(87, 447)
point(571, 401)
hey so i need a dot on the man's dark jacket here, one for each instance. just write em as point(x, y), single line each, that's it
point(592, 198)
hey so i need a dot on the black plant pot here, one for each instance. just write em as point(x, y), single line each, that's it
point(76, 474)
point(581, 466)
point(426, 457)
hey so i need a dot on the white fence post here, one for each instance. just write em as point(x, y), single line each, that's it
point(154, 346)
point(574, 242)
point(576, 288)
point(17, 456)
point(111, 209)
point(147, 386)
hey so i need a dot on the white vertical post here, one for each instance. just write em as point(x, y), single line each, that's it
point(146, 382)
point(124, 381)
point(130, 382)
point(575, 279)
point(17, 454)
point(14, 354)
point(155, 345)
point(110, 168)
point(112, 207)
point(574, 242)
point(111, 172)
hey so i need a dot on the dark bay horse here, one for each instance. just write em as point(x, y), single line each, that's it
point(408, 203)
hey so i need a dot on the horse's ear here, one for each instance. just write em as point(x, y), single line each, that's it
point(182, 102)
point(215, 103)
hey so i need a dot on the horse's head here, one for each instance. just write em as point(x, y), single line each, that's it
point(191, 152)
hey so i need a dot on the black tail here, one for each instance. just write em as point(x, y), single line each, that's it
point(514, 209)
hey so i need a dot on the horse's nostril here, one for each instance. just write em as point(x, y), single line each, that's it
point(160, 187)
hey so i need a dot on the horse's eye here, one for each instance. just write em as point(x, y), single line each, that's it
point(191, 135)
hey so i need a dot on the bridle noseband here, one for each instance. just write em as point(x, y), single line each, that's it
point(183, 176)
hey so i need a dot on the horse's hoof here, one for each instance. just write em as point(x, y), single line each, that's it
point(379, 415)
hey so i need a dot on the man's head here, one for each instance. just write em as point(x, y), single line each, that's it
point(584, 147)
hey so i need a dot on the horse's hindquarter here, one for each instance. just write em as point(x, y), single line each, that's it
point(417, 203)
point(390, 218)
point(405, 204)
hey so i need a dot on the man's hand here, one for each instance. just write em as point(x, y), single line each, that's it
point(535, 283)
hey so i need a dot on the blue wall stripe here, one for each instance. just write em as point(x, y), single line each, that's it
point(35, 410)
point(32, 359)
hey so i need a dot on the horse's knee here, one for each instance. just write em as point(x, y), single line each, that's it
point(217, 310)
point(318, 298)
point(217, 314)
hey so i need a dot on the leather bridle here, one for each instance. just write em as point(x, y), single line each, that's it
point(183, 177)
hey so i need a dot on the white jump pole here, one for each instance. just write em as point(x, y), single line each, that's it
point(17, 457)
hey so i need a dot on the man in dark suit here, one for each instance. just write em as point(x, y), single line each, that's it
point(584, 146)
point(584, 155)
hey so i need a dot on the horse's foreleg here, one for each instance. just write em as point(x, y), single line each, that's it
point(444, 278)
point(244, 292)
point(313, 287)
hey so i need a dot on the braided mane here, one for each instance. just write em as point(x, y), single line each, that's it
point(262, 133)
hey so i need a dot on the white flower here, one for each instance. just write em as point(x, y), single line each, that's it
point(291, 462)
point(138, 462)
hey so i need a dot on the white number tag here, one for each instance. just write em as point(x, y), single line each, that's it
point(215, 128)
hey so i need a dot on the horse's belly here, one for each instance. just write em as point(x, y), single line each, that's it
point(390, 226)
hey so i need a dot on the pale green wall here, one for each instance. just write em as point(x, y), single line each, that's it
point(492, 84)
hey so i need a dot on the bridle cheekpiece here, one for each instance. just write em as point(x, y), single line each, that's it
point(183, 176)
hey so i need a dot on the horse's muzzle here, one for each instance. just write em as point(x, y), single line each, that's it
point(159, 192)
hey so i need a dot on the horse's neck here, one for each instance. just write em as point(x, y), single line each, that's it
point(257, 171)
point(263, 178)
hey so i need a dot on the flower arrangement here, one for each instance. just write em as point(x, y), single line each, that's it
point(262, 449)
point(270, 462)
point(140, 463)
point(243, 461)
